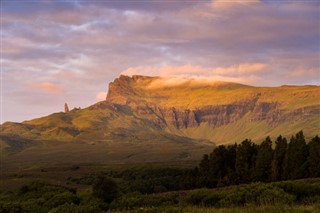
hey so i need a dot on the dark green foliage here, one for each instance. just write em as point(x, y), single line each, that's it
point(105, 188)
point(262, 170)
point(302, 191)
point(38, 197)
point(245, 160)
point(314, 157)
point(135, 200)
point(296, 165)
point(196, 197)
point(256, 194)
point(218, 169)
point(148, 180)
point(60, 199)
point(147, 187)
point(228, 165)
point(279, 158)
point(42, 197)
point(10, 207)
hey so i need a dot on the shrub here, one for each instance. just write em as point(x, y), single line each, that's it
point(62, 198)
point(10, 207)
point(105, 188)
point(127, 201)
point(196, 197)
point(299, 189)
point(258, 194)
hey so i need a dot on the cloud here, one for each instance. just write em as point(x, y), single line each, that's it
point(83, 45)
point(47, 87)
point(197, 75)
point(231, 4)
point(196, 81)
point(242, 69)
point(298, 73)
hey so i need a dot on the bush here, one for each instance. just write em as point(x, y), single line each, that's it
point(136, 200)
point(257, 194)
point(65, 208)
point(299, 189)
point(62, 198)
point(311, 200)
point(10, 207)
point(127, 201)
point(196, 197)
point(105, 188)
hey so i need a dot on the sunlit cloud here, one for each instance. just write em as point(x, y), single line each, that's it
point(46, 87)
point(227, 4)
point(241, 69)
point(298, 73)
point(196, 81)
point(190, 70)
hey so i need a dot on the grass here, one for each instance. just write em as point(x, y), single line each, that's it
point(191, 95)
point(248, 209)
point(255, 130)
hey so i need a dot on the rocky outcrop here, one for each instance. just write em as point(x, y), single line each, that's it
point(66, 108)
point(216, 116)
point(123, 91)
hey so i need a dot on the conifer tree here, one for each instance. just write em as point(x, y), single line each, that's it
point(314, 157)
point(279, 158)
point(245, 160)
point(296, 158)
point(262, 170)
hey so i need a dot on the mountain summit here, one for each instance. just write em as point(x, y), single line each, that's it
point(185, 117)
point(219, 111)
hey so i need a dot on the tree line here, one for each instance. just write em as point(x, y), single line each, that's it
point(248, 162)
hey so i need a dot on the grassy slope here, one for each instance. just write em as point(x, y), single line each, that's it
point(257, 131)
point(191, 95)
point(97, 136)
point(108, 135)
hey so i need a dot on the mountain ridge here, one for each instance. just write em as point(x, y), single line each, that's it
point(189, 115)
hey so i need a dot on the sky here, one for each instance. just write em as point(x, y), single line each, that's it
point(54, 52)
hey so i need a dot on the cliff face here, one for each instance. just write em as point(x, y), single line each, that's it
point(179, 115)
point(253, 101)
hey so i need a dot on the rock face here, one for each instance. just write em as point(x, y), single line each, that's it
point(175, 112)
point(257, 106)
point(66, 108)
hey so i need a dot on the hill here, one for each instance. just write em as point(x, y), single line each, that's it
point(146, 119)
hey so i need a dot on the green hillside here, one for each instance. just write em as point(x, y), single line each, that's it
point(146, 119)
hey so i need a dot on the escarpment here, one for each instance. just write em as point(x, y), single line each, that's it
point(181, 112)
point(165, 105)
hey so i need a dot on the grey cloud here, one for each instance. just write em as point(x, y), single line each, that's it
point(83, 45)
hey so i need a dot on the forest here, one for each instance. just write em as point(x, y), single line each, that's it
point(281, 175)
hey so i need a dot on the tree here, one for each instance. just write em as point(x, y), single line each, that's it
point(279, 158)
point(314, 157)
point(230, 176)
point(262, 170)
point(296, 165)
point(217, 169)
point(245, 160)
point(105, 188)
